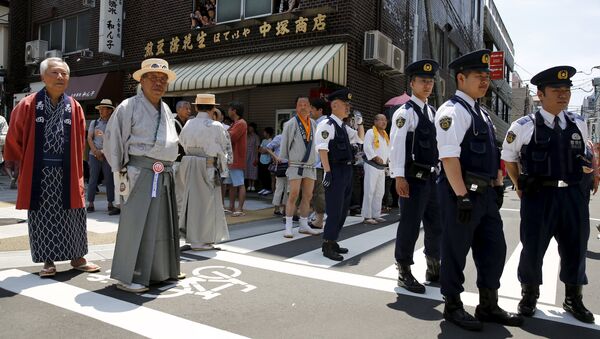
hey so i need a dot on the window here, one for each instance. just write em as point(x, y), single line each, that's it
point(439, 45)
point(255, 8)
point(68, 35)
point(233, 10)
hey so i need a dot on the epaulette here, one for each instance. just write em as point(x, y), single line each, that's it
point(523, 120)
point(450, 103)
point(574, 116)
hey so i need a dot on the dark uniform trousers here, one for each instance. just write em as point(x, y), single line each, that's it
point(544, 215)
point(337, 200)
point(484, 235)
point(421, 206)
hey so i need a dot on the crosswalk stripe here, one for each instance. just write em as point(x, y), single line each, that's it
point(255, 243)
point(545, 312)
point(356, 246)
point(509, 282)
point(418, 269)
point(137, 319)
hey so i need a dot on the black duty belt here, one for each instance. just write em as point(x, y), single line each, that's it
point(476, 183)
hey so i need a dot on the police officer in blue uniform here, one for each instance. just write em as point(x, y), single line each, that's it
point(471, 194)
point(334, 139)
point(550, 147)
point(413, 161)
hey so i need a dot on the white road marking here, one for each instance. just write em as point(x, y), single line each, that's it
point(137, 319)
point(356, 246)
point(545, 312)
point(418, 269)
point(255, 243)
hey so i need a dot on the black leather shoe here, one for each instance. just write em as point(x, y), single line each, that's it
point(489, 311)
point(114, 211)
point(341, 250)
point(433, 269)
point(329, 251)
point(407, 280)
point(574, 304)
point(530, 294)
point(455, 313)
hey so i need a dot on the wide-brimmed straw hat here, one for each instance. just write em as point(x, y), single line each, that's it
point(105, 103)
point(205, 99)
point(155, 65)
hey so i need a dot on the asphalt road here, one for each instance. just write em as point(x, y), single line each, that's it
point(265, 286)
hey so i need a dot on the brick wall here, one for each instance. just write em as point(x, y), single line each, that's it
point(347, 20)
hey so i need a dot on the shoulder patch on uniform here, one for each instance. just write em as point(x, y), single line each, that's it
point(523, 120)
point(325, 134)
point(510, 137)
point(400, 122)
point(445, 123)
point(575, 116)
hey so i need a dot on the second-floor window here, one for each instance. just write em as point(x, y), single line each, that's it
point(69, 34)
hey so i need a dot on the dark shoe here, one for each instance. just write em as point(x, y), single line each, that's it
point(295, 218)
point(433, 269)
point(407, 280)
point(489, 311)
point(574, 304)
point(339, 249)
point(90, 209)
point(114, 211)
point(329, 251)
point(530, 295)
point(455, 313)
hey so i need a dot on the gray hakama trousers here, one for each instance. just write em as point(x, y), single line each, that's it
point(147, 246)
point(202, 218)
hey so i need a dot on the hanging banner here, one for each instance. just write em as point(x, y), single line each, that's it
point(497, 65)
point(111, 25)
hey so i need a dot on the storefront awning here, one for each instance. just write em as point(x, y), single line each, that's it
point(90, 87)
point(326, 62)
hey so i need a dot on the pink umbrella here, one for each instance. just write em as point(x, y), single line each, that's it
point(399, 100)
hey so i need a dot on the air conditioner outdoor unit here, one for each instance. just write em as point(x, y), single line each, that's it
point(34, 51)
point(87, 54)
point(397, 59)
point(53, 53)
point(89, 3)
point(377, 50)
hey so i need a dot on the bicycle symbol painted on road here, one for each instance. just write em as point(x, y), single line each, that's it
point(202, 277)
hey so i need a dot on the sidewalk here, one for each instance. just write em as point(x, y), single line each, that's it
point(102, 228)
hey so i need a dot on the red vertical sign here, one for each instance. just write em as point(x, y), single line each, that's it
point(497, 65)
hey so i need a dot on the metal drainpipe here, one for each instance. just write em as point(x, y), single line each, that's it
point(415, 45)
point(431, 38)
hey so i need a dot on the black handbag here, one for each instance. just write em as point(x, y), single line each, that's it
point(280, 169)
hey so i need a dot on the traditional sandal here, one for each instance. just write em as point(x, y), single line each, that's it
point(88, 267)
point(48, 272)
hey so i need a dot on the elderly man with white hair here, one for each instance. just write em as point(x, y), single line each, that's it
point(45, 143)
point(140, 142)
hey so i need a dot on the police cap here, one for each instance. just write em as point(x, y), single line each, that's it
point(424, 68)
point(555, 76)
point(341, 94)
point(478, 61)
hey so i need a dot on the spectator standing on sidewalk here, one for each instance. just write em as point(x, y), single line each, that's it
point(279, 167)
point(377, 151)
point(3, 132)
point(252, 144)
point(238, 132)
point(264, 161)
point(51, 178)
point(96, 158)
